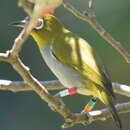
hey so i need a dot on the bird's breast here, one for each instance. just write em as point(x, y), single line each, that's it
point(66, 74)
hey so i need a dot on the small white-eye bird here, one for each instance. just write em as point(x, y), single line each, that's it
point(72, 60)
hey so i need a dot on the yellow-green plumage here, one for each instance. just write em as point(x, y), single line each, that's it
point(74, 62)
point(74, 52)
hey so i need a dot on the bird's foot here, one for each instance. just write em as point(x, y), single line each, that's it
point(90, 118)
point(57, 96)
point(88, 108)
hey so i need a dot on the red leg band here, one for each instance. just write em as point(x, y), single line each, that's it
point(72, 91)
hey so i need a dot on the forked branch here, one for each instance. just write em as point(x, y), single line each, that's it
point(31, 83)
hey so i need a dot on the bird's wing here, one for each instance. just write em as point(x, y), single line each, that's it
point(78, 54)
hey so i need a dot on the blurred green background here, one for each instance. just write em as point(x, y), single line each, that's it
point(25, 110)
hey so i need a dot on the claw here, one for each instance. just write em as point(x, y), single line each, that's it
point(52, 108)
point(90, 118)
point(58, 97)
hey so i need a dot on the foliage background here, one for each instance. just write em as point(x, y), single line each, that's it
point(25, 110)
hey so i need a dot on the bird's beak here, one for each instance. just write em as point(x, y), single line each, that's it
point(18, 24)
point(21, 23)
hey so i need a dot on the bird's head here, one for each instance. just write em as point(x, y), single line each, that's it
point(46, 29)
point(47, 22)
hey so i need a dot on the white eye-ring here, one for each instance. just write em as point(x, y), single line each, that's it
point(40, 24)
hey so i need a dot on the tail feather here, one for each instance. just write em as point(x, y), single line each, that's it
point(115, 115)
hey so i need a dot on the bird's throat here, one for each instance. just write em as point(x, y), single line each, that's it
point(42, 40)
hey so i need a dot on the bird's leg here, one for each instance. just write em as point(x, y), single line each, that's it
point(90, 105)
point(63, 93)
point(66, 92)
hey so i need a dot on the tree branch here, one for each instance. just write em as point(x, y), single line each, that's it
point(16, 86)
point(4, 56)
point(102, 114)
point(12, 57)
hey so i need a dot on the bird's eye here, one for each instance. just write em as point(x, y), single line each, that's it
point(40, 24)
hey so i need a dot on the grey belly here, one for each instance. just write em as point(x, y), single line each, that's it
point(66, 75)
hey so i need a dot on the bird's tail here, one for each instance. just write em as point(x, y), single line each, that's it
point(115, 115)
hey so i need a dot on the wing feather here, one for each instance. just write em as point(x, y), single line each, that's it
point(78, 54)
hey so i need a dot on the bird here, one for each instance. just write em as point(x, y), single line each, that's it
point(73, 61)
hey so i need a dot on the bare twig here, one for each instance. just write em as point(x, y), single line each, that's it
point(12, 57)
point(101, 114)
point(90, 17)
point(4, 56)
point(19, 41)
point(16, 86)
point(27, 6)
point(90, 4)
point(121, 89)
